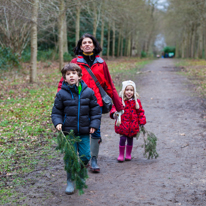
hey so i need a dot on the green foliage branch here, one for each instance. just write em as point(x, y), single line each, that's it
point(8, 59)
point(73, 163)
point(150, 143)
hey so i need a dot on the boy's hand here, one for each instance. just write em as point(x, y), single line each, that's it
point(59, 127)
point(92, 130)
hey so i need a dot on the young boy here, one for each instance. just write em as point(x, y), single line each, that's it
point(76, 108)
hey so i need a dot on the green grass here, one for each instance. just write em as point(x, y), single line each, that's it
point(126, 69)
point(195, 69)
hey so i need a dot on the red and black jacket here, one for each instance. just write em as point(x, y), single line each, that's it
point(131, 119)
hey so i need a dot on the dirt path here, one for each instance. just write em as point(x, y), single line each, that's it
point(177, 177)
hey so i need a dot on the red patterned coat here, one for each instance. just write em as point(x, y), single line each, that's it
point(131, 119)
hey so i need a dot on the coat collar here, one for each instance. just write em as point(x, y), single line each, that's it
point(98, 59)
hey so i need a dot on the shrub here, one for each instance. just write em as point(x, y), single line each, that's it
point(67, 57)
point(44, 56)
point(8, 59)
point(143, 54)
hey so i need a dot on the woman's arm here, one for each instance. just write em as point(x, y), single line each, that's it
point(115, 97)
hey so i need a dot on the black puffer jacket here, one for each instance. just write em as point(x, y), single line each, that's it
point(78, 112)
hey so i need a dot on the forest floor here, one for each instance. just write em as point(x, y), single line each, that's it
point(176, 114)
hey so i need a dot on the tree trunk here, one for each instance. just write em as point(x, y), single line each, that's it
point(78, 9)
point(95, 19)
point(192, 42)
point(125, 46)
point(33, 72)
point(183, 47)
point(200, 42)
point(204, 41)
point(122, 41)
point(119, 42)
point(177, 50)
point(129, 46)
point(113, 40)
point(102, 29)
point(61, 32)
point(65, 41)
point(108, 41)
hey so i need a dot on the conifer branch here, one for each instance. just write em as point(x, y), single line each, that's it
point(150, 143)
point(73, 164)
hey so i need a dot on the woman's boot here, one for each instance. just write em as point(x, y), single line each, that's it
point(121, 154)
point(94, 167)
point(128, 153)
point(94, 153)
point(70, 185)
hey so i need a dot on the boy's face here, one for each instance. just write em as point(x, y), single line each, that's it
point(129, 92)
point(72, 77)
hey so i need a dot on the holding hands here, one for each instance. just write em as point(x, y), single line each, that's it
point(117, 115)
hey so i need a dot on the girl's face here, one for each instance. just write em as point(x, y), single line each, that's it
point(87, 45)
point(129, 92)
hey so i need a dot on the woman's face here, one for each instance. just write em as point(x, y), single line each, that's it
point(87, 45)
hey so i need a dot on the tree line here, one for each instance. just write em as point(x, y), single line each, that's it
point(123, 28)
point(183, 24)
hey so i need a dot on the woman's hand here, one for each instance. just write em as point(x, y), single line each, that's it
point(92, 130)
point(59, 127)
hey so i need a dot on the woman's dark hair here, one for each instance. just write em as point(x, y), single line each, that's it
point(96, 50)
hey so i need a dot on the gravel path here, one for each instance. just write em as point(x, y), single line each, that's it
point(177, 177)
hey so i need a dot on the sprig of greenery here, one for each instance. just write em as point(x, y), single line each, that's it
point(150, 143)
point(73, 163)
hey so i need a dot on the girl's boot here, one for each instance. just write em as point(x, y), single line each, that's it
point(70, 185)
point(121, 154)
point(128, 153)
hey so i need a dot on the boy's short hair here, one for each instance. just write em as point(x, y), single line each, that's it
point(71, 67)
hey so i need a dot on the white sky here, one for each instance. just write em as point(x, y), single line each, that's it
point(162, 4)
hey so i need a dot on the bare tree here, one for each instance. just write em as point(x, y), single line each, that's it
point(61, 32)
point(33, 72)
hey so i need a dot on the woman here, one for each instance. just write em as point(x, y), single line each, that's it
point(88, 50)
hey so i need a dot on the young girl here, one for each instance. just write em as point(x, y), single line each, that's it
point(132, 117)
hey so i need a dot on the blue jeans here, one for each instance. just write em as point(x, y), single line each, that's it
point(97, 133)
point(83, 148)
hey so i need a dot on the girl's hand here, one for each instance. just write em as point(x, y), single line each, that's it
point(119, 114)
point(59, 127)
point(92, 130)
point(115, 115)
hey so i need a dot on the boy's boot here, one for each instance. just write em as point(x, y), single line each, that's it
point(128, 153)
point(94, 167)
point(94, 153)
point(70, 185)
point(121, 153)
point(82, 166)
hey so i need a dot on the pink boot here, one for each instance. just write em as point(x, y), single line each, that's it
point(128, 153)
point(121, 154)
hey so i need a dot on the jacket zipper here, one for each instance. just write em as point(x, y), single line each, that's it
point(64, 119)
point(79, 95)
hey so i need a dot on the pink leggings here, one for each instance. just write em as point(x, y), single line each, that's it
point(123, 140)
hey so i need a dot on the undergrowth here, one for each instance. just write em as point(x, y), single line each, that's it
point(195, 69)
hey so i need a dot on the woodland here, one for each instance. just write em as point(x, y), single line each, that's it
point(37, 38)
point(41, 30)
